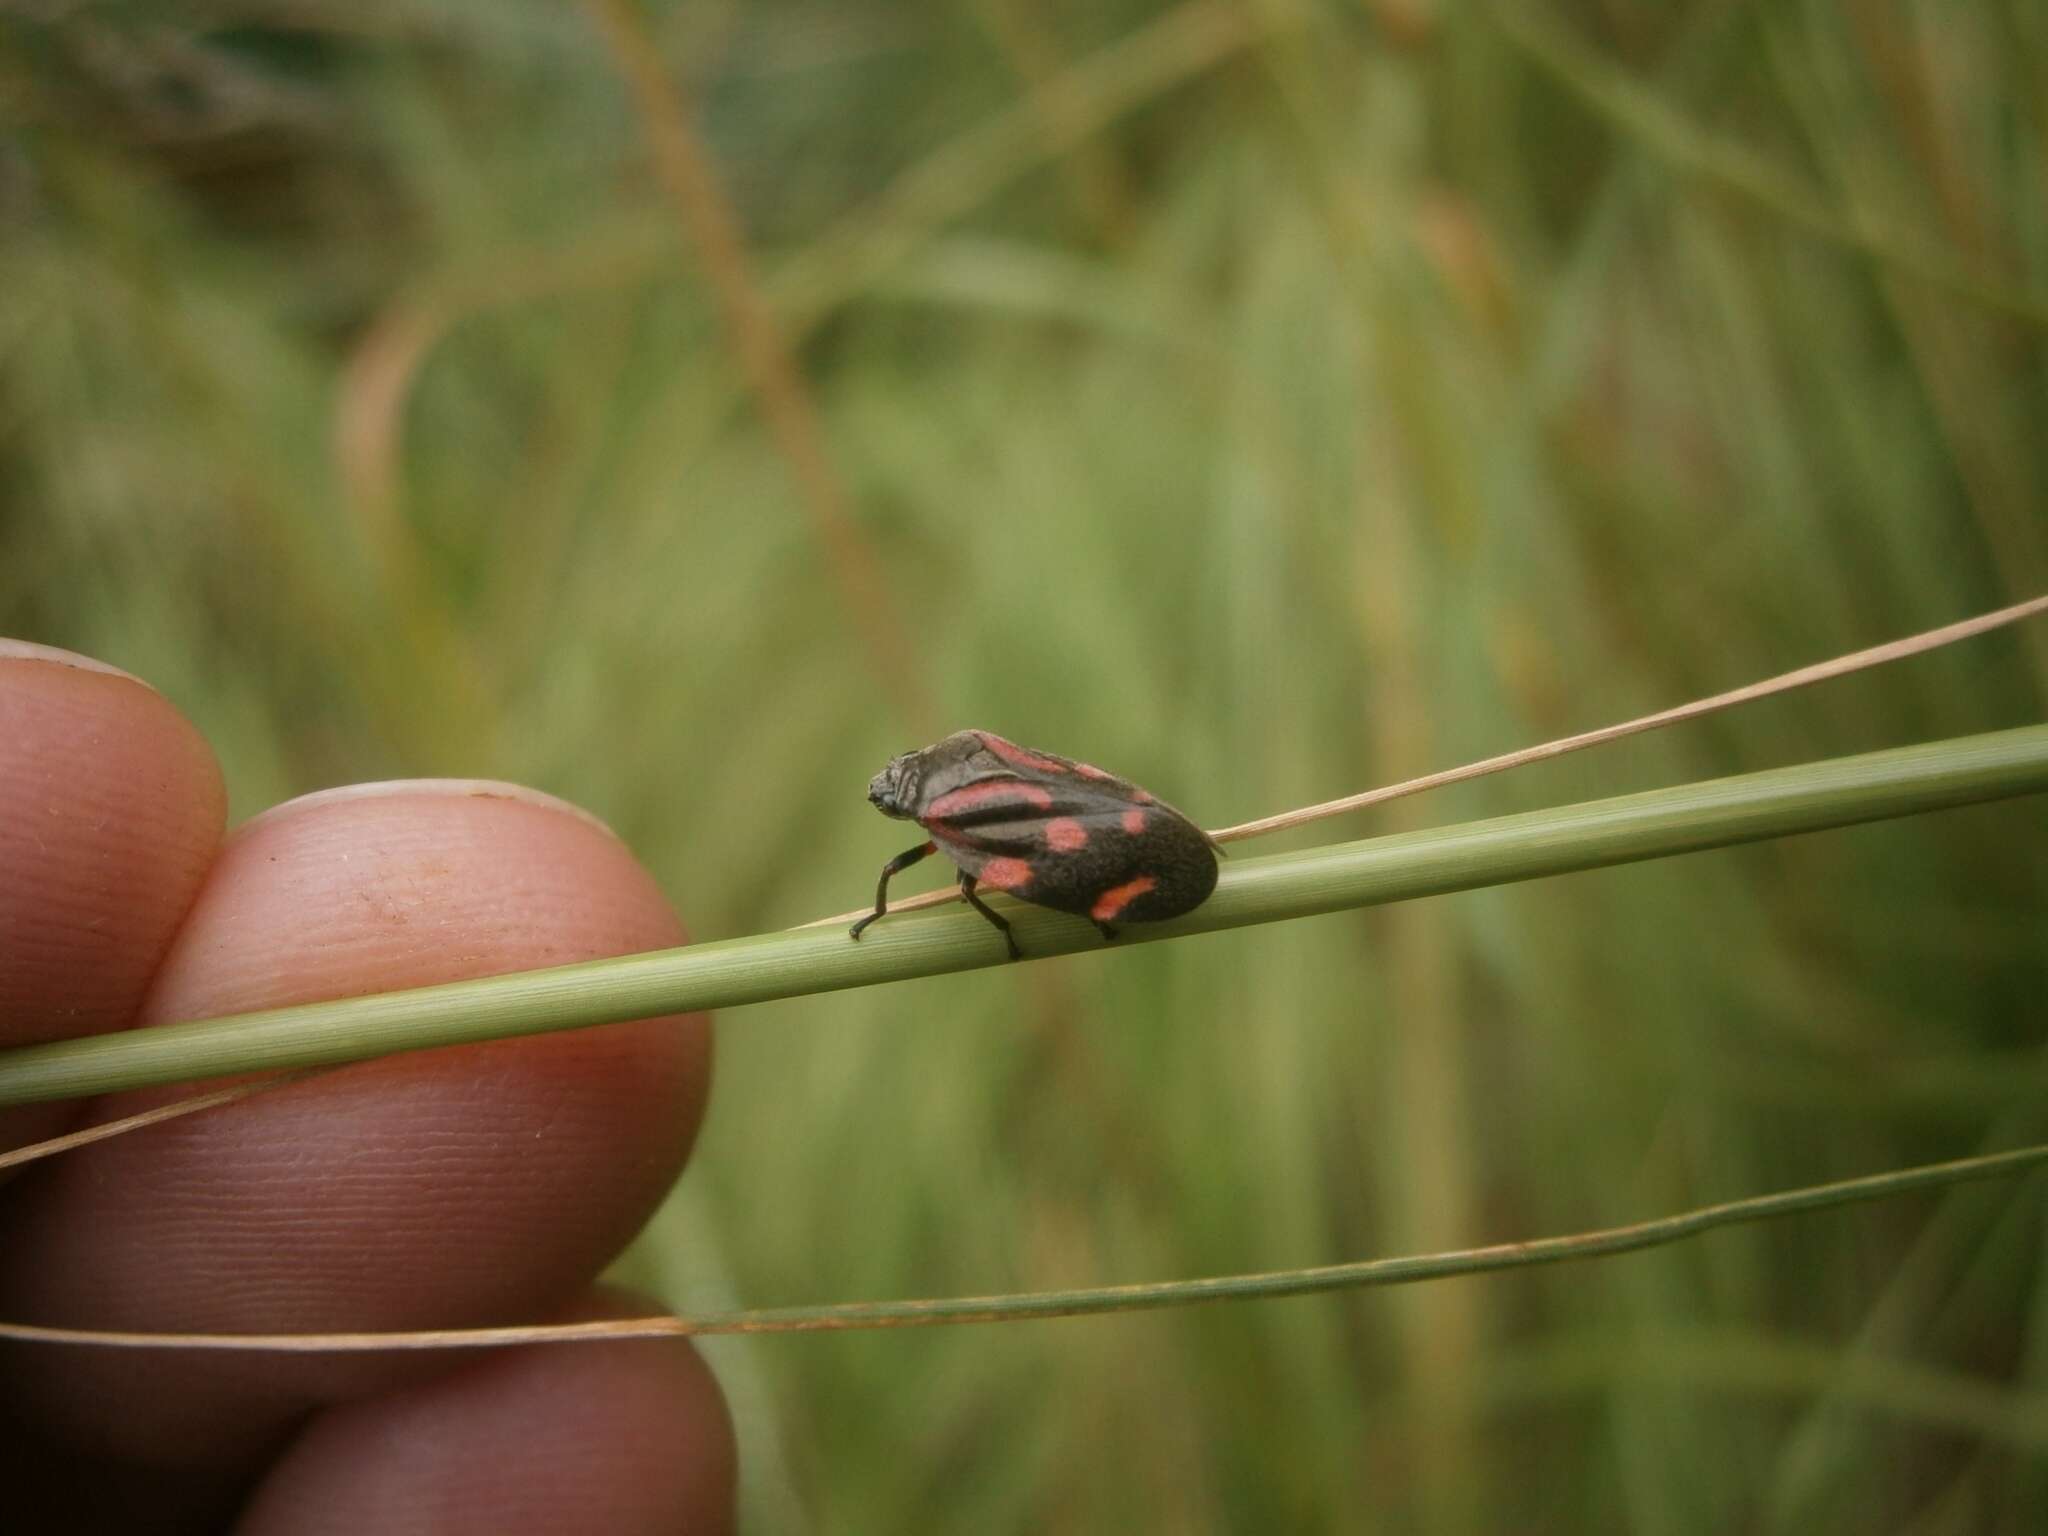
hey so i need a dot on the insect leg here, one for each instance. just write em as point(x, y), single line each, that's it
point(974, 901)
point(897, 865)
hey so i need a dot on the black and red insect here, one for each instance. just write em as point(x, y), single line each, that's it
point(1045, 829)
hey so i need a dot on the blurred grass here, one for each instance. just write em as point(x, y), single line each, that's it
point(1309, 395)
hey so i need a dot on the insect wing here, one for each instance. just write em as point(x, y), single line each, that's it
point(1010, 816)
point(1094, 846)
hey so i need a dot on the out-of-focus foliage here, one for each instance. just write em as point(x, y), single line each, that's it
point(1265, 399)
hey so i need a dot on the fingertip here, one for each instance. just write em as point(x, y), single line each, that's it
point(405, 883)
point(622, 1438)
point(461, 1186)
point(114, 809)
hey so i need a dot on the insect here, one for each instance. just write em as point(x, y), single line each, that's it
point(1047, 830)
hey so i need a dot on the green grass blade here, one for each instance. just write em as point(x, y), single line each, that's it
point(1407, 1270)
point(1978, 1407)
point(1715, 813)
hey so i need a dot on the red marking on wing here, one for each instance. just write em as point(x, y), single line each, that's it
point(988, 792)
point(1063, 834)
point(1020, 757)
point(1090, 771)
point(1005, 874)
point(1134, 822)
point(1115, 899)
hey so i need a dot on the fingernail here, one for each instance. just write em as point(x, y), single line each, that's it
point(28, 650)
point(458, 789)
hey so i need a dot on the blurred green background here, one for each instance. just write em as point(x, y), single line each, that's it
point(1268, 401)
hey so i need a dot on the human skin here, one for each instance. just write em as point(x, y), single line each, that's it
point(476, 1186)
